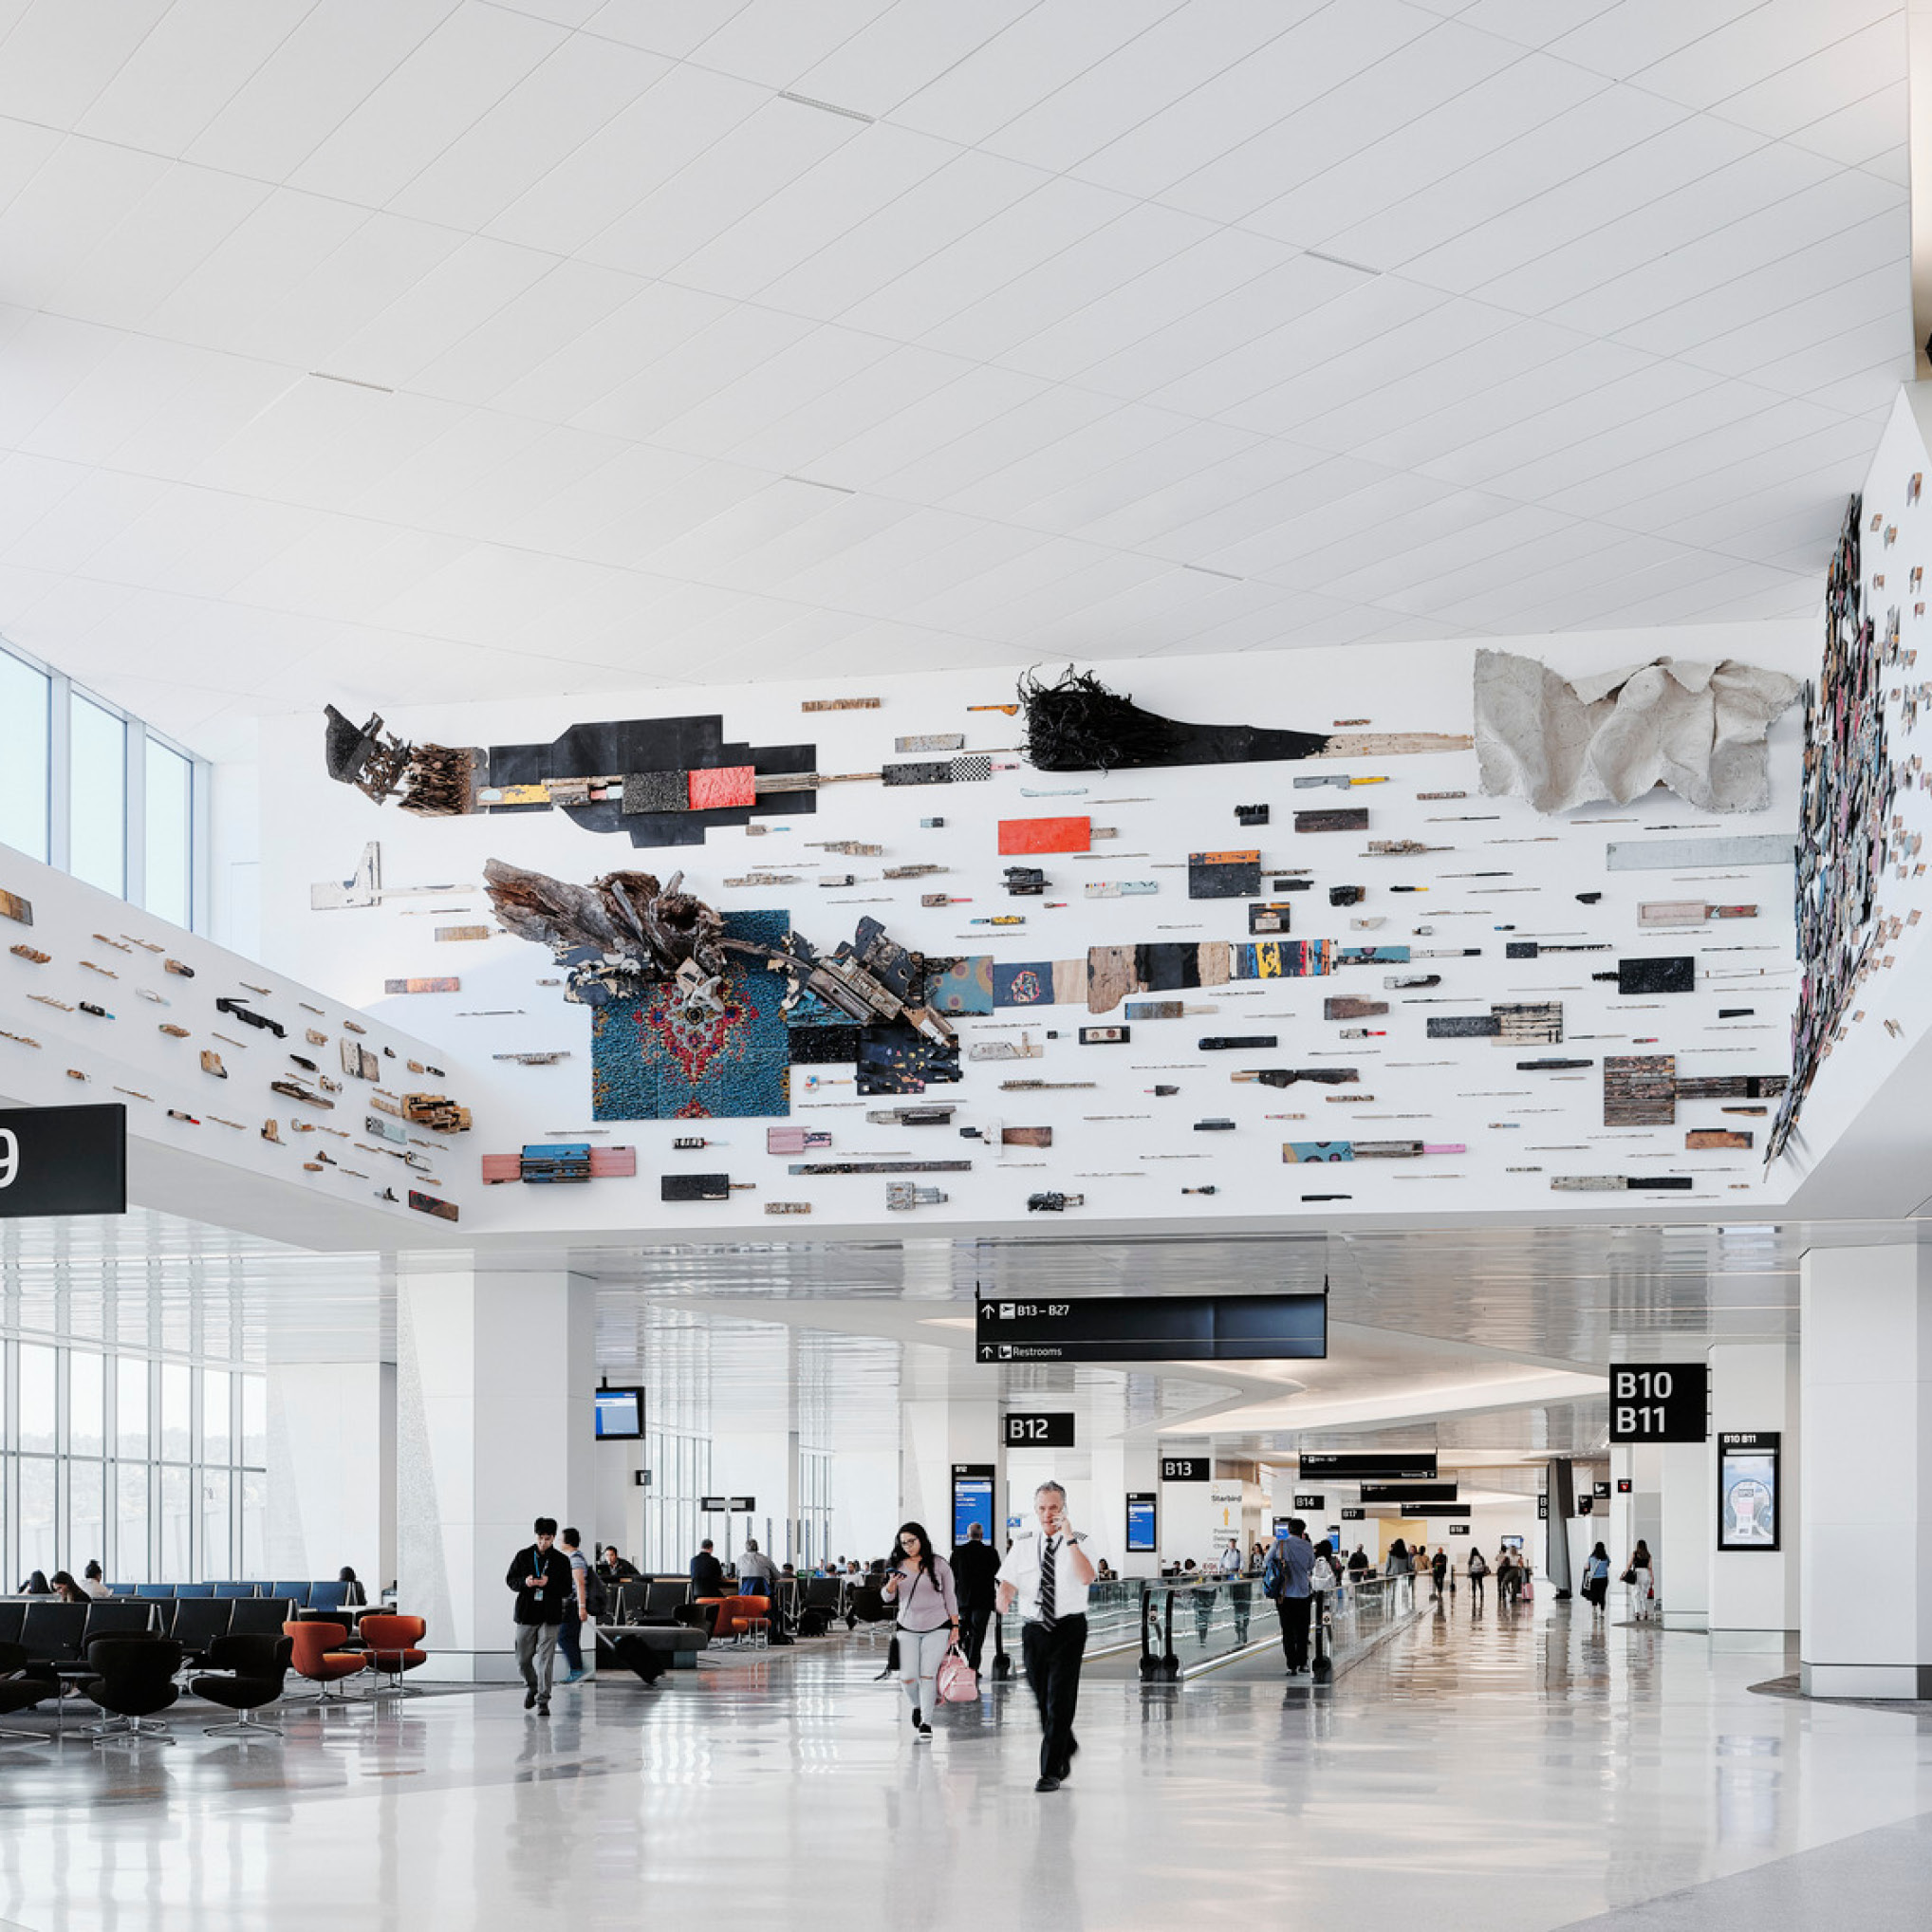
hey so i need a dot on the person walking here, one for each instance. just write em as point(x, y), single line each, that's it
point(1439, 1570)
point(1642, 1576)
point(1231, 1558)
point(1289, 1578)
point(1046, 1574)
point(540, 1575)
point(1399, 1562)
point(577, 1607)
point(920, 1585)
point(1596, 1578)
point(976, 1580)
point(1478, 1576)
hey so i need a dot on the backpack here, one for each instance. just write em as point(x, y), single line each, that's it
point(1273, 1573)
point(596, 1598)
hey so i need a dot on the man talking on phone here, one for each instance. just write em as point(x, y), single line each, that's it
point(1046, 1574)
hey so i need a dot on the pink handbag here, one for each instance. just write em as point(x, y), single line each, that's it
point(955, 1680)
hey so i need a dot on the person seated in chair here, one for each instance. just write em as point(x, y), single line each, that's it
point(615, 1569)
point(707, 1572)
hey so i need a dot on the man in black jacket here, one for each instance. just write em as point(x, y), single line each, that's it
point(707, 1574)
point(540, 1575)
point(975, 1574)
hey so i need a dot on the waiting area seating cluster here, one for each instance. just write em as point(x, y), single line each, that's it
point(134, 1652)
point(657, 1624)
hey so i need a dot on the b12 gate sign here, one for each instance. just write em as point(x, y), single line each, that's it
point(62, 1160)
point(1659, 1402)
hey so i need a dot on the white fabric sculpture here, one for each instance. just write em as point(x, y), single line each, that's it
point(1698, 728)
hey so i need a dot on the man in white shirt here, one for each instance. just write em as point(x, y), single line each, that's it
point(1231, 1559)
point(1047, 1572)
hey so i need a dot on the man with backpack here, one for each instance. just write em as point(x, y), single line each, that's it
point(584, 1604)
point(1288, 1576)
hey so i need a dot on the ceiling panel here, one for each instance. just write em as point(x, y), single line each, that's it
point(1345, 299)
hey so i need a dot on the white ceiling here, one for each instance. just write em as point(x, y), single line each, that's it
point(1096, 327)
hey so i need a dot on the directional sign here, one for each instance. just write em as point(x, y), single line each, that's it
point(1154, 1327)
point(1046, 1429)
point(1186, 1469)
point(1659, 1402)
point(1311, 1502)
point(1378, 1465)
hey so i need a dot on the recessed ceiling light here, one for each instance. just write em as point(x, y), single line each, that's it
point(353, 381)
point(827, 106)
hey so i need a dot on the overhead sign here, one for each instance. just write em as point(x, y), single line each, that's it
point(1186, 1469)
point(62, 1160)
point(1155, 1327)
point(1046, 1429)
point(1458, 1529)
point(1622, 1485)
point(1543, 1508)
point(1354, 1516)
point(728, 1505)
point(1601, 1491)
point(1748, 1489)
point(1378, 1466)
point(1408, 1492)
point(1311, 1502)
point(1659, 1402)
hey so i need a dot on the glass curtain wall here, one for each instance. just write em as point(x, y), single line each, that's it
point(86, 788)
point(154, 1468)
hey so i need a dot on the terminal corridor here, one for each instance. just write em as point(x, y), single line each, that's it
point(1519, 1762)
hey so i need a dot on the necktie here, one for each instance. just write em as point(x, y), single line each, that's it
point(1049, 1562)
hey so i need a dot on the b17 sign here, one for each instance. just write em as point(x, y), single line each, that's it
point(1659, 1402)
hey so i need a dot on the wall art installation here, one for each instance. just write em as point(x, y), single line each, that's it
point(1559, 742)
point(1846, 823)
point(1077, 724)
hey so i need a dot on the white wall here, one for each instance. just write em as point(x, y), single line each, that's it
point(331, 1472)
point(227, 1174)
point(1520, 1130)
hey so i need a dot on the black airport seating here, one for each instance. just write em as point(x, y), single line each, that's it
point(21, 1689)
point(252, 1670)
point(261, 1616)
point(199, 1624)
point(51, 1631)
point(12, 1612)
point(134, 1678)
point(109, 1619)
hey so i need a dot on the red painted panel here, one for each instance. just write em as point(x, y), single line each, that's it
point(727, 785)
point(1046, 835)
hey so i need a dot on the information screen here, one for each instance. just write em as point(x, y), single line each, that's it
point(620, 1415)
point(1748, 1490)
point(1154, 1327)
point(972, 1500)
point(1142, 1539)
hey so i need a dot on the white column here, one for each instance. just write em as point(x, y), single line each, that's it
point(949, 1413)
point(1755, 1592)
point(1686, 1528)
point(1121, 1467)
point(331, 1473)
point(1865, 1480)
point(495, 1428)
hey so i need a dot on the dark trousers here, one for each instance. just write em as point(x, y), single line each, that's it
point(1293, 1612)
point(567, 1640)
point(974, 1622)
point(1053, 1658)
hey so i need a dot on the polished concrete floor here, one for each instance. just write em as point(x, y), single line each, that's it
point(1509, 1770)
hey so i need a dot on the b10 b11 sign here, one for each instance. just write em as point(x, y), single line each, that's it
point(1659, 1402)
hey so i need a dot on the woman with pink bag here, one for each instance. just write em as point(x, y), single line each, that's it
point(920, 1583)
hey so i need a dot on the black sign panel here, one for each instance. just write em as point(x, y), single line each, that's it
point(728, 1505)
point(1458, 1529)
point(1624, 1485)
point(1659, 1402)
point(1378, 1466)
point(1354, 1516)
point(1542, 1509)
point(1155, 1327)
point(1585, 1505)
point(1049, 1430)
point(1186, 1469)
point(62, 1160)
point(1311, 1502)
point(1408, 1492)
point(1600, 1490)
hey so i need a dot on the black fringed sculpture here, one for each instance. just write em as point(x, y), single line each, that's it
point(1077, 724)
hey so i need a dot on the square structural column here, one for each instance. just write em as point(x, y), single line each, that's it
point(1754, 1594)
point(1865, 1373)
point(495, 1427)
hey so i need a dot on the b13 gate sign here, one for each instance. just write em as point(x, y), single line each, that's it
point(1659, 1402)
point(62, 1160)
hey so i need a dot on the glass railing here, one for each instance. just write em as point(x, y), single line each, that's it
point(1187, 1627)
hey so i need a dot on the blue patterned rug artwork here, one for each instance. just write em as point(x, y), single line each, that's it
point(649, 1062)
